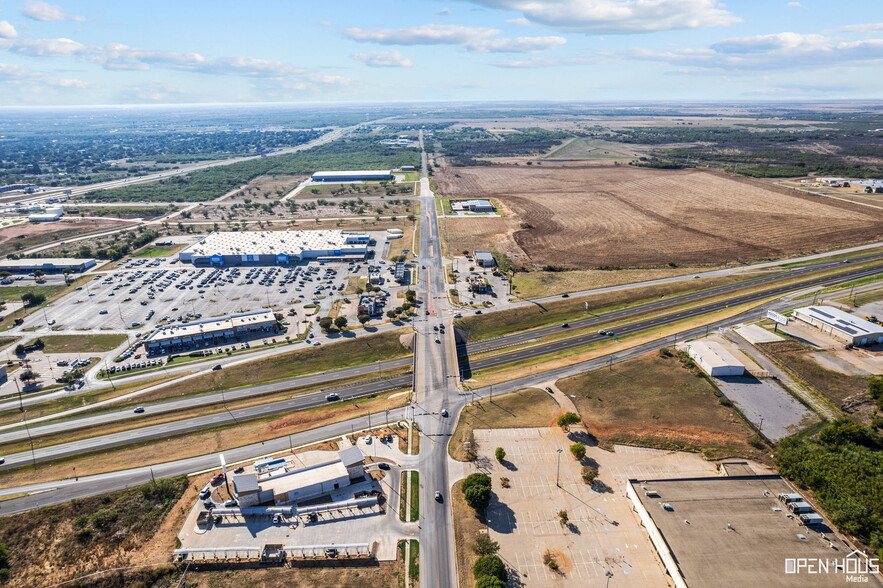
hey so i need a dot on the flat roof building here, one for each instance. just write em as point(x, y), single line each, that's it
point(365, 175)
point(484, 258)
point(714, 359)
point(841, 325)
point(472, 206)
point(733, 531)
point(46, 264)
point(173, 338)
point(275, 247)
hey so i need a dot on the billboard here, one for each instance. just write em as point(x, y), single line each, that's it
point(775, 316)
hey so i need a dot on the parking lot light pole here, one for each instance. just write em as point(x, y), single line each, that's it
point(558, 473)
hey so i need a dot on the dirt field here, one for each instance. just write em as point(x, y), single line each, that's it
point(654, 401)
point(587, 217)
point(31, 234)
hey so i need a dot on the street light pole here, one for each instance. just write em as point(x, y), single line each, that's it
point(558, 473)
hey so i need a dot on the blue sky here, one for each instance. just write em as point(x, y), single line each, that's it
point(190, 51)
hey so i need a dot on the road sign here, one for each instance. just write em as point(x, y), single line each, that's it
point(775, 316)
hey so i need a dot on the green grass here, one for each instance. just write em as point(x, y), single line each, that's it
point(8, 293)
point(160, 251)
point(868, 296)
point(583, 148)
point(846, 285)
point(414, 562)
point(415, 495)
point(361, 350)
point(82, 343)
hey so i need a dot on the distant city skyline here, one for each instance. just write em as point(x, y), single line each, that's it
point(88, 52)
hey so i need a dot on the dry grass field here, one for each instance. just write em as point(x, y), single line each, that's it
point(587, 217)
point(32, 234)
point(655, 401)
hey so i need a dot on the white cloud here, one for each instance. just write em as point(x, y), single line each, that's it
point(68, 83)
point(431, 34)
point(541, 62)
point(43, 11)
point(10, 72)
point(767, 52)
point(519, 45)
point(116, 56)
point(619, 16)
point(7, 31)
point(521, 21)
point(390, 58)
point(443, 12)
point(794, 5)
point(864, 28)
point(45, 47)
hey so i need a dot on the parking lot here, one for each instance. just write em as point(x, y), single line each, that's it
point(143, 293)
point(603, 535)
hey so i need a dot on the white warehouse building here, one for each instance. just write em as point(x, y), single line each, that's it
point(275, 247)
point(365, 175)
point(714, 359)
point(841, 325)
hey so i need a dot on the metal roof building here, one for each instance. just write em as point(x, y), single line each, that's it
point(714, 359)
point(275, 247)
point(365, 175)
point(484, 258)
point(841, 325)
point(212, 331)
point(46, 264)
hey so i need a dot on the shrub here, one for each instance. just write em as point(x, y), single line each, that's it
point(490, 565)
point(500, 453)
point(578, 450)
point(489, 582)
point(484, 545)
point(563, 518)
point(589, 474)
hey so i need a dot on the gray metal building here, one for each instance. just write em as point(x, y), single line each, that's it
point(275, 247)
point(365, 175)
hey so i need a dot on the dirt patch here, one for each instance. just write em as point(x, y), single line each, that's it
point(634, 217)
point(530, 407)
point(26, 235)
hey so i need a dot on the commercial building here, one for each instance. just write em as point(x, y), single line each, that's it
point(174, 338)
point(841, 325)
point(484, 259)
point(735, 531)
point(472, 206)
point(275, 247)
point(365, 175)
point(478, 284)
point(400, 273)
point(714, 359)
point(284, 486)
point(48, 265)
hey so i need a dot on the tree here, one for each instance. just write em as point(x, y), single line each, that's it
point(490, 565)
point(875, 389)
point(28, 376)
point(489, 582)
point(563, 518)
point(500, 454)
point(589, 474)
point(32, 299)
point(39, 344)
point(38, 274)
point(578, 450)
point(567, 419)
point(391, 314)
point(340, 322)
point(477, 490)
point(325, 323)
point(364, 318)
point(484, 545)
point(19, 349)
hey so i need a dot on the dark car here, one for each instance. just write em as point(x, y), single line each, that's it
point(549, 390)
point(239, 470)
point(565, 326)
point(216, 368)
point(565, 296)
point(383, 465)
point(438, 496)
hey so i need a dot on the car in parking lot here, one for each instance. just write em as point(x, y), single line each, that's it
point(231, 502)
point(217, 479)
point(239, 470)
point(277, 518)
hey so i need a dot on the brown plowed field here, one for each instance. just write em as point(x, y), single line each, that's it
point(636, 217)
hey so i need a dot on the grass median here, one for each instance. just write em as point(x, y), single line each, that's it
point(211, 440)
point(148, 419)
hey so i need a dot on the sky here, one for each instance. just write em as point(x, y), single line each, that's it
point(90, 52)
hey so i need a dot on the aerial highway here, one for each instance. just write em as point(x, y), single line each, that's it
point(434, 355)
